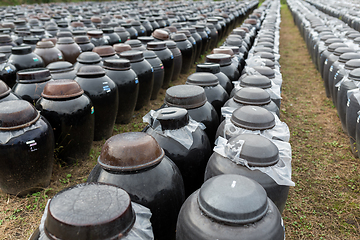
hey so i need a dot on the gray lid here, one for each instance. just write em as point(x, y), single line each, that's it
point(185, 96)
point(256, 81)
point(172, 118)
point(355, 74)
point(332, 40)
point(253, 118)
point(265, 71)
point(252, 96)
point(265, 55)
point(222, 59)
point(89, 57)
point(132, 55)
point(344, 57)
point(59, 66)
point(352, 64)
point(203, 79)
point(257, 150)
point(213, 68)
point(233, 199)
point(340, 50)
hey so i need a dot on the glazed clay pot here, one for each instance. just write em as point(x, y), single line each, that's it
point(23, 58)
point(88, 58)
point(71, 116)
point(106, 52)
point(69, 49)
point(111, 36)
point(27, 148)
point(122, 33)
point(171, 45)
point(353, 106)
point(84, 43)
point(61, 70)
point(150, 178)
point(5, 93)
point(158, 68)
point(128, 87)
point(214, 68)
point(8, 71)
point(186, 51)
point(48, 52)
point(226, 65)
point(96, 37)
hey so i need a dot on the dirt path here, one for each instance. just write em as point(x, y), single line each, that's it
point(325, 202)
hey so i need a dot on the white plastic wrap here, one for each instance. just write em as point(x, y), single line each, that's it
point(248, 71)
point(182, 135)
point(274, 91)
point(280, 172)
point(6, 136)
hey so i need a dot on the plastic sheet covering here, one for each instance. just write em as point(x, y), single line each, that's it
point(352, 91)
point(227, 111)
point(141, 230)
point(280, 172)
point(182, 135)
point(248, 71)
point(274, 91)
point(279, 132)
point(6, 136)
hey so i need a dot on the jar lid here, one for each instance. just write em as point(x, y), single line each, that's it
point(117, 64)
point(355, 74)
point(266, 44)
point(120, 29)
point(253, 118)
point(265, 39)
point(17, 114)
point(235, 49)
point(185, 96)
point(333, 40)
point(256, 81)
point(65, 40)
point(341, 50)
point(172, 118)
point(352, 36)
point(265, 55)
point(90, 71)
point(63, 34)
point(199, 28)
point(186, 32)
point(233, 199)
point(4, 89)
point(250, 21)
point(257, 150)
point(190, 29)
point(133, 55)
point(45, 44)
point(81, 39)
point(178, 37)
point(228, 51)
point(121, 152)
point(222, 59)
point(348, 56)
point(107, 30)
point(202, 79)
point(263, 49)
point(213, 68)
point(59, 66)
point(95, 33)
point(234, 41)
point(172, 29)
point(352, 64)
point(99, 210)
point(33, 75)
point(145, 39)
point(331, 48)
point(252, 96)
point(5, 38)
point(160, 34)
point(265, 71)
point(156, 46)
point(121, 47)
point(104, 51)
point(326, 36)
point(21, 50)
point(88, 57)
point(61, 89)
point(170, 44)
point(134, 43)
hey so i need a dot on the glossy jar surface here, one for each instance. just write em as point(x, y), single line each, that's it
point(159, 72)
point(186, 51)
point(353, 106)
point(88, 58)
point(84, 43)
point(226, 66)
point(48, 52)
point(8, 71)
point(214, 68)
point(61, 70)
point(69, 49)
point(5, 93)
point(27, 148)
point(171, 45)
point(23, 58)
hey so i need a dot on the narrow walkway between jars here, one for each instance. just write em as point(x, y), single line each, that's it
point(325, 202)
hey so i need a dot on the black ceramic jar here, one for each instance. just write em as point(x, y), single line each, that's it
point(159, 72)
point(88, 58)
point(84, 43)
point(353, 106)
point(5, 93)
point(97, 38)
point(8, 71)
point(150, 178)
point(48, 52)
point(27, 148)
point(227, 207)
point(226, 65)
point(23, 58)
point(186, 49)
point(61, 70)
point(69, 49)
point(214, 68)
point(111, 36)
point(106, 52)
point(171, 129)
point(103, 93)
point(131, 30)
point(71, 115)
point(123, 34)
point(171, 45)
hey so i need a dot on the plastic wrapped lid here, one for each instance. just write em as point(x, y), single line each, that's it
point(21, 50)
point(33, 75)
point(121, 47)
point(4, 89)
point(265, 55)
point(81, 39)
point(257, 150)
point(178, 37)
point(117, 64)
point(185, 96)
point(256, 81)
point(265, 71)
point(233, 199)
point(156, 46)
point(99, 210)
point(344, 57)
point(104, 51)
point(203, 79)
point(340, 50)
point(208, 67)
point(325, 37)
point(121, 152)
point(253, 118)
point(161, 34)
point(61, 89)
point(352, 36)
point(186, 32)
point(172, 118)
point(45, 44)
point(5, 38)
point(355, 74)
point(89, 71)
point(222, 59)
point(352, 64)
point(133, 55)
point(60, 66)
point(252, 96)
point(88, 58)
point(332, 40)
point(17, 114)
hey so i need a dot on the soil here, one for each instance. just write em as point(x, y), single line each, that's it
point(325, 202)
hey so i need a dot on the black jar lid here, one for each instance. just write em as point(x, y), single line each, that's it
point(81, 39)
point(63, 34)
point(355, 74)
point(99, 210)
point(65, 40)
point(263, 49)
point(145, 39)
point(332, 40)
point(265, 55)
point(107, 30)
point(133, 55)
point(352, 64)
point(252, 96)
point(257, 150)
point(222, 59)
point(186, 32)
point(233, 199)
point(17, 114)
point(203, 79)
point(4, 89)
point(256, 81)
point(134, 43)
point(90, 71)
point(190, 29)
point(120, 29)
point(340, 50)
point(30, 40)
point(265, 71)
point(178, 37)
point(156, 46)
point(4, 38)
point(149, 54)
point(33, 75)
point(170, 44)
point(88, 57)
point(344, 57)
point(62, 89)
point(185, 96)
point(60, 66)
point(21, 50)
point(213, 68)
point(104, 51)
point(253, 118)
point(121, 152)
point(117, 64)
point(45, 44)
point(172, 118)
point(161, 34)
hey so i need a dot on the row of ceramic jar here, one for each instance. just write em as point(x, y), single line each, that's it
point(335, 53)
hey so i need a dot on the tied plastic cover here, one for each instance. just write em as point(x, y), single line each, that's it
point(280, 172)
point(182, 135)
point(279, 132)
point(6, 136)
point(141, 230)
point(248, 71)
point(274, 90)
